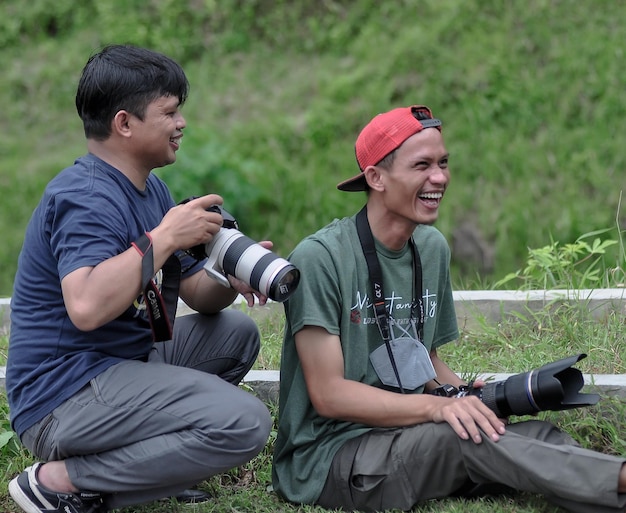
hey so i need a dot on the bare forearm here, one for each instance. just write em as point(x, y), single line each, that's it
point(206, 295)
point(96, 295)
point(444, 374)
point(357, 402)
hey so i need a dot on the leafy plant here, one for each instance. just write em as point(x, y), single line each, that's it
point(577, 265)
point(13, 456)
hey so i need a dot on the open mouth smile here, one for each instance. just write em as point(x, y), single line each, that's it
point(175, 141)
point(431, 199)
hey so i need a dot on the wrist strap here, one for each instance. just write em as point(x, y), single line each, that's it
point(160, 304)
point(143, 245)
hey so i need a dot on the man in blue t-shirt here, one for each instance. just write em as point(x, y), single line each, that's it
point(121, 404)
point(357, 427)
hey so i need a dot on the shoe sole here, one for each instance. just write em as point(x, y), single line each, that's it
point(18, 495)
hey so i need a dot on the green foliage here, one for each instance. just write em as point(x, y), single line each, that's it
point(13, 456)
point(280, 90)
point(529, 339)
point(579, 265)
point(186, 29)
point(596, 427)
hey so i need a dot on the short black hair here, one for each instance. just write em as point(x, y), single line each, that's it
point(125, 77)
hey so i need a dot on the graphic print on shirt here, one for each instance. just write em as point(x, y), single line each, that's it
point(398, 308)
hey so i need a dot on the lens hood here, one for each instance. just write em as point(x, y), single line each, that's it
point(554, 386)
point(559, 384)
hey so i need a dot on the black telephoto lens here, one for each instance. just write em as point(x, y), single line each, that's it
point(555, 386)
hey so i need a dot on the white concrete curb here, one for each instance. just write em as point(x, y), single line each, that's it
point(490, 304)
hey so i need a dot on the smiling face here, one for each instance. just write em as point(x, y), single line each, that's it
point(157, 137)
point(417, 179)
point(410, 190)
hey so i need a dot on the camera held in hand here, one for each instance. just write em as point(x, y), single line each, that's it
point(231, 252)
point(555, 386)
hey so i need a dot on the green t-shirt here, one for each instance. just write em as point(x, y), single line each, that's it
point(335, 294)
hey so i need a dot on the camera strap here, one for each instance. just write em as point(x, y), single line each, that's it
point(160, 304)
point(376, 277)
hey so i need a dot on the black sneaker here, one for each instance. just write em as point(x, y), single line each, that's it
point(34, 498)
point(193, 496)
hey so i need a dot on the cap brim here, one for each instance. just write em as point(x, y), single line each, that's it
point(355, 184)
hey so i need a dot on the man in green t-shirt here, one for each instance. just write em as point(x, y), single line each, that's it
point(357, 427)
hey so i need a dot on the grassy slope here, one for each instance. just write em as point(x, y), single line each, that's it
point(530, 93)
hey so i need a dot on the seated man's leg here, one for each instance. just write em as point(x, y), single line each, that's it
point(395, 469)
point(143, 431)
point(551, 463)
point(398, 468)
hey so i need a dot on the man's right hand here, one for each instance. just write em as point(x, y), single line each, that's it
point(468, 416)
point(189, 224)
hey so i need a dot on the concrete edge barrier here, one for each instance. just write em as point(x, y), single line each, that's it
point(471, 306)
point(265, 383)
point(493, 306)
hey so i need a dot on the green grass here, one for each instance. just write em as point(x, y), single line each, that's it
point(520, 343)
point(531, 94)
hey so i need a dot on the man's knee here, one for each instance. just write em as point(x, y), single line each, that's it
point(252, 426)
point(236, 324)
point(245, 325)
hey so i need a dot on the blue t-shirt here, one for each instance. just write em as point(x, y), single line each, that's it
point(88, 213)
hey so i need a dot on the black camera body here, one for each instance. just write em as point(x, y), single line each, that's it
point(555, 386)
point(231, 252)
point(229, 222)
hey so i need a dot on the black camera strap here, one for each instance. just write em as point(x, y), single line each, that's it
point(160, 304)
point(376, 277)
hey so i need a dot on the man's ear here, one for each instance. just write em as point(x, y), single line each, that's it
point(121, 123)
point(373, 177)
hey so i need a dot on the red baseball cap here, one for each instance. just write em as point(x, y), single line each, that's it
point(383, 134)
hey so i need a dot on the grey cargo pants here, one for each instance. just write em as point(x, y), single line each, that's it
point(397, 468)
point(146, 430)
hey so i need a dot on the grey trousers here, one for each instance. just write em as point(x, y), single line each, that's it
point(398, 468)
point(146, 430)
